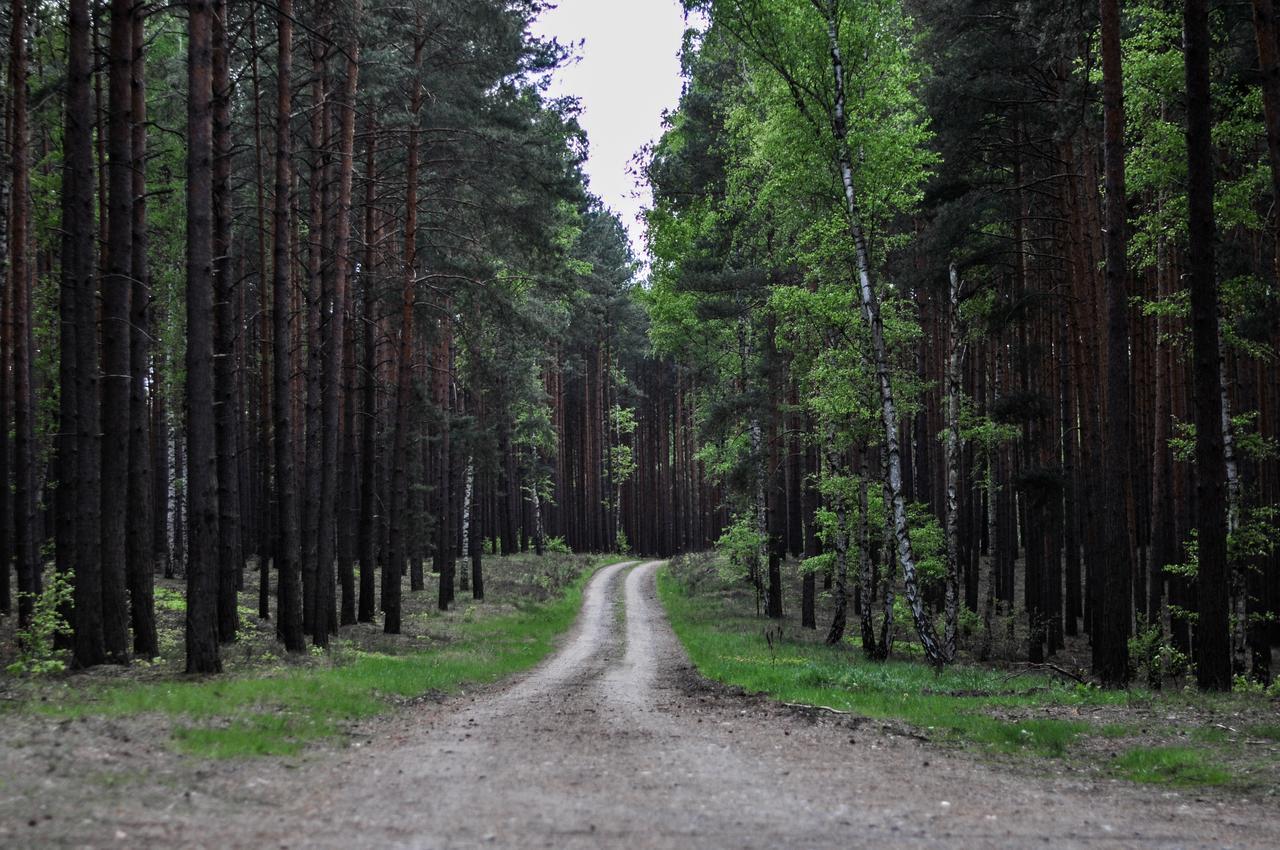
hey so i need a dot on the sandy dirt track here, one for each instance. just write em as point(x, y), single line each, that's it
point(615, 742)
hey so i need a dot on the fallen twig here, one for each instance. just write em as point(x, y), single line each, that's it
point(805, 705)
point(1055, 668)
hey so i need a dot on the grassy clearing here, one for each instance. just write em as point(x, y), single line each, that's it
point(1171, 739)
point(278, 710)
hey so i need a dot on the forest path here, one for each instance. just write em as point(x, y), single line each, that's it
point(615, 742)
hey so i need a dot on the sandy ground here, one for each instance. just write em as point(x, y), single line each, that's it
point(613, 742)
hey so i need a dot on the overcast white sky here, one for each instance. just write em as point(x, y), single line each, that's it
point(628, 73)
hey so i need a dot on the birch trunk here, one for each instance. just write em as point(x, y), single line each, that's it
point(840, 540)
point(934, 651)
point(952, 450)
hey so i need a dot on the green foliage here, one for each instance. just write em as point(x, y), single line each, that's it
point(1248, 685)
point(556, 545)
point(622, 423)
point(929, 541)
point(36, 653)
point(1156, 161)
point(740, 544)
point(1154, 658)
point(169, 599)
point(987, 436)
point(753, 260)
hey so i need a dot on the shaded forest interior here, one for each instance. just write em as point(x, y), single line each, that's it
point(969, 308)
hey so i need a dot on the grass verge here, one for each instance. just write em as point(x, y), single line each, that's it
point(941, 705)
point(281, 711)
point(965, 704)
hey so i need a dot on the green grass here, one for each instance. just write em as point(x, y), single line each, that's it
point(953, 704)
point(1210, 735)
point(1115, 730)
point(278, 713)
point(1178, 766)
point(1269, 731)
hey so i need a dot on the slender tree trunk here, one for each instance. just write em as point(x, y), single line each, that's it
point(79, 365)
point(160, 446)
point(266, 532)
point(397, 548)
point(178, 477)
point(116, 376)
point(6, 349)
point(811, 499)
point(1111, 626)
point(840, 592)
point(468, 494)
point(65, 541)
point(202, 470)
point(1069, 428)
point(230, 555)
point(288, 588)
point(335, 302)
point(27, 560)
point(140, 517)
point(476, 549)
point(312, 317)
point(369, 524)
point(1213, 645)
point(952, 450)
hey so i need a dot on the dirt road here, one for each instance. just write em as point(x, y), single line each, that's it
point(614, 742)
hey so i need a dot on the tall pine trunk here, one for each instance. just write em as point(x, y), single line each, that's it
point(1213, 645)
point(288, 587)
point(79, 357)
point(266, 532)
point(202, 471)
point(24, 505)
point(367, 541)
point(397, 547)
point(117, 286)
point(335, 304)
point(311, 319)
point(1111, 623)
point(140, 569)
point(230, 552)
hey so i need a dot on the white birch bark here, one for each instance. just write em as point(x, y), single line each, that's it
point(870, 305)
point(952, 450)
point(468, 490)
point(1239, 603)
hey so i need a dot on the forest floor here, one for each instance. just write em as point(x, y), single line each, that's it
point(614, 741)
